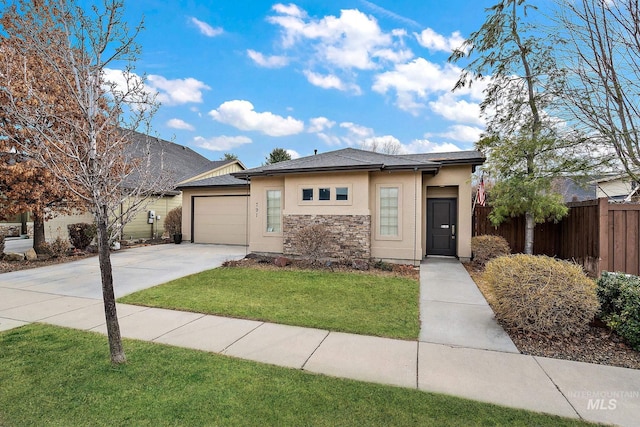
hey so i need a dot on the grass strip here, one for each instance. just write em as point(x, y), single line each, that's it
point(347, 302)
point(58, 376)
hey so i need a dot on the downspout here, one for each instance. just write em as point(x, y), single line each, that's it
point(415, 212)
point(246, 237)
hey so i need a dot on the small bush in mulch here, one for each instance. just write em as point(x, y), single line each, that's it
point(619, 296)
point(81, 234)
point(486, 247)
point(57, 249)
point(543, 295)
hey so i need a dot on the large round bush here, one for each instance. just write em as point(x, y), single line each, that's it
point(542, 294)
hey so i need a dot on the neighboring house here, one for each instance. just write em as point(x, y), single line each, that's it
point(397, 208)
point(181, 162)
point(617, 187)
point(575, 189)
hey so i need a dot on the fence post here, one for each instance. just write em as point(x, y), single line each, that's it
point(603, 235)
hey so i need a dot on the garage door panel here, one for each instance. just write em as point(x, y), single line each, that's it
point(221, 220)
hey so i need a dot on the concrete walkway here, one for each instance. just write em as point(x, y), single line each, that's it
point(453, 310)
point(573, 389)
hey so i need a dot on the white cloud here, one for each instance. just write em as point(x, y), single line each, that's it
point(357, 130)
point(274, 61)
point(241, 115)
point(415, 80)
point(331, 81)
point(177, 91)
point(387, 144)
point(426, 146)
point(462, 133)
point(205, 28)
point(352, 40)
point(179, 124)
point(437, 42)
point(221, 143)
point(457, 110)
point(319, 124)
point(293, 153)
point(290, 9)
point(329, 139)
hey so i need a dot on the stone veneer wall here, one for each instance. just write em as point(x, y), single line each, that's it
point(351, 234)
point(13, 230)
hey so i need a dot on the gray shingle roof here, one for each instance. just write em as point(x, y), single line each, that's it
point(353, 159)
point(216, 181)
point(180, 161)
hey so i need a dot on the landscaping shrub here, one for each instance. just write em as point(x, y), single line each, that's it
point(541, 294)
point(173, 221)
point(312, 242)
point(58, 248)
point(486, 247)
point(81, 234)
point(619, 296)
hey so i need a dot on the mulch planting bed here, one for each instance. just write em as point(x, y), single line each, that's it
point(598, 344)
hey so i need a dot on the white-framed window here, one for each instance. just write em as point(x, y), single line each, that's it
point(324, 193)
point(307, 194)
point(274, 216)
point(389, 211)
point(342, 194)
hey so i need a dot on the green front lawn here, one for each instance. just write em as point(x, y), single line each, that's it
point(62, 377)
point(348, 302)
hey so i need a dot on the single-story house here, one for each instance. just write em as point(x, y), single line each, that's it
point(181, 162)
point(397, 208)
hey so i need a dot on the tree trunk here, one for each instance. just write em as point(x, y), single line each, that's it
point(38, 232)
point(108, 296)
point(528, 233)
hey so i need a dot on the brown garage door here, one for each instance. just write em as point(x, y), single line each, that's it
point(220, 219)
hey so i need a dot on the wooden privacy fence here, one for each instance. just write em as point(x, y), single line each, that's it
point(601, 236)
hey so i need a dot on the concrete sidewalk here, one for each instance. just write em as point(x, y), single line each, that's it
point(566, 388)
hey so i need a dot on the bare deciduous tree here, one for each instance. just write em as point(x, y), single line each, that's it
point(603, 57)
point(76, 119)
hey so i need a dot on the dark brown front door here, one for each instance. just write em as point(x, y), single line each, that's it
point(441, 226)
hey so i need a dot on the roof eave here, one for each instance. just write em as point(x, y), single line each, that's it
point(352, 168)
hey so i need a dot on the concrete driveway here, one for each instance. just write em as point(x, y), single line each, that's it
point(133, 269)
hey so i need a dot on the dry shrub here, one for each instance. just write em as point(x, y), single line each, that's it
point(542, 295)
point(486, 247)
point(173, 221)
point(56, 249)
point(312, 242)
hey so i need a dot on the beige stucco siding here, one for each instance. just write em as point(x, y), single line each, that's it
point(259, 239)
point(406, 246)
point(357, 202)
point(451, 181)
point(57, 227)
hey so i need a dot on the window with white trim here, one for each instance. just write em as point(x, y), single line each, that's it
point(274, 203)
point(342, 193)
point(324, 194)
point(307, 194)
point(389, 211)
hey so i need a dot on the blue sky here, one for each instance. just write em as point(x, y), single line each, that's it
point(246, 77)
